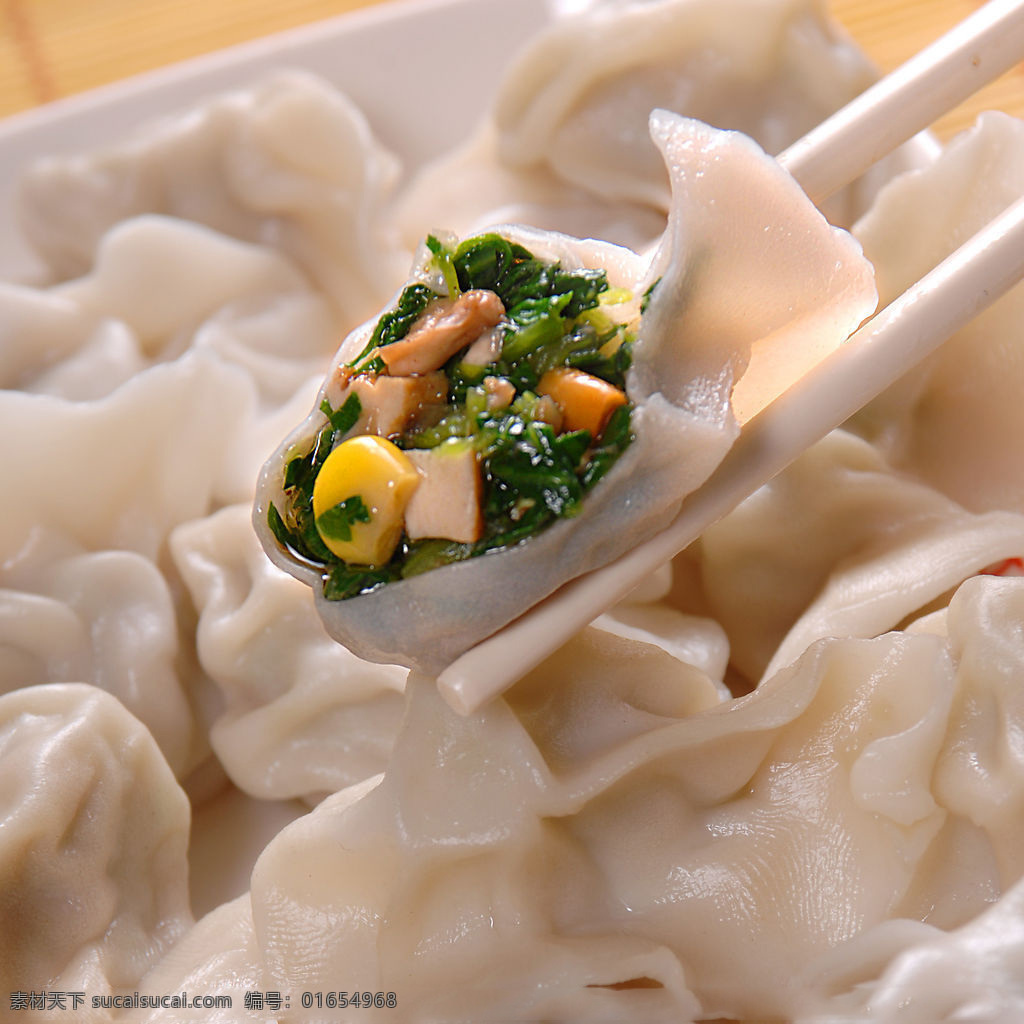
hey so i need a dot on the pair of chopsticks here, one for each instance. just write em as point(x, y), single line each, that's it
point(829, 157)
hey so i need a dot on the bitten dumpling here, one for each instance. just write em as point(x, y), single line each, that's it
point(534, 405)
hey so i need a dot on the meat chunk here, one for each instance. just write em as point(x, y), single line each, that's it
point(486, 349)
point(548, 411)
point(500, 391)
point(441, 332)
point(447, 502)
point(391, 405)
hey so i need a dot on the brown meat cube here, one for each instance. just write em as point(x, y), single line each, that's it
point(500, 391)
point(486, 349)
point(392, 404)
point(447, 502)
point(441, 332)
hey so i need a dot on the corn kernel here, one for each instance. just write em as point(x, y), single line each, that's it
point(383, 477)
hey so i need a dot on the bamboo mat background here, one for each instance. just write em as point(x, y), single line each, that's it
point(54, 48)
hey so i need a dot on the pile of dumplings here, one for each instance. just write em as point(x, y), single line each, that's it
point(783, 780)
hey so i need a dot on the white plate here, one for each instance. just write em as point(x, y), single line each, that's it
point(421, 70)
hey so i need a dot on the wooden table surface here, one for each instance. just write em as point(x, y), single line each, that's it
point(54, 48)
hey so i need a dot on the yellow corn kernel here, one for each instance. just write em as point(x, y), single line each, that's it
point(598, 319)
point(383, 477)
point(615, 296)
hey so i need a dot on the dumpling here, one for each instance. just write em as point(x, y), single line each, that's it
point(290, 164)
point(126, 493)
point(956, 965)
point(566, 145)
point(749, 288)
point(218, 957)
point(299, 716)
point(597, 843)
point(93, 850)
point(48, 343)
point(955, 421)
point(201, 273)
point(105, 618)
point(838, 544)
point(913, 973)
point(600, 841)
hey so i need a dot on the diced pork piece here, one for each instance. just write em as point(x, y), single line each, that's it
point(392, 404)
point(486, 349)
point(548, 411)
point(441, 332)
point(587, 402)
point(500, 391)
point(447, 504)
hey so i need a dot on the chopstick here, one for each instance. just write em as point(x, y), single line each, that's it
point(882, 350)
point(943, 74)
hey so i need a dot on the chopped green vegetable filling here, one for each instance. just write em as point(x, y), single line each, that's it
point(343, 419)
point(297, 527)
point(534, 468)
point(443, 259)
point(646, 300)
point(491, 262)
point(336, 522)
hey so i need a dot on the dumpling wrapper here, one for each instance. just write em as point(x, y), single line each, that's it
point(750, 274)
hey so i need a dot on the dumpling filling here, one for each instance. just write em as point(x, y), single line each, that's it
point(484, 406)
